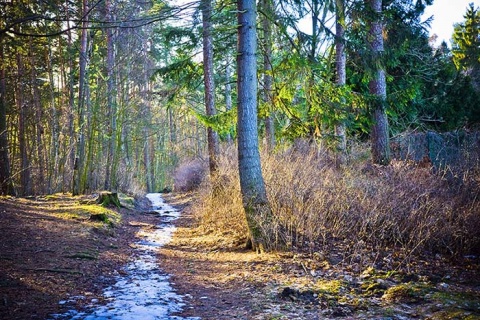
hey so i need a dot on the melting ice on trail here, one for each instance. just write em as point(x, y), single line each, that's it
point(144, 292)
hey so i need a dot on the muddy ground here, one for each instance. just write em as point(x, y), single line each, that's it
point(51, 250)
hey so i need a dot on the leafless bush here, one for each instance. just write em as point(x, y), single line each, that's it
point(189, 175)
point(402, 205)
point(220, 206)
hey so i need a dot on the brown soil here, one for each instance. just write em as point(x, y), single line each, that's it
point(47, 256)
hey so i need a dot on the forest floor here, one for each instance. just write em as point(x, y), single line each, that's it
point(51, 251)
point(55, 257)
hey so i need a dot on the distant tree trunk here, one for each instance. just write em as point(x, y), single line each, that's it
point(340, 66)
point(79, 183)
point(267, 67)
point(6, 185)
point(252, 187)
point(312, 58)
point(25, 177)
point(39, 148)
point(228, 93)
point(378, 87)
point(71, 106)
point(87, 172)
point(52, 172)
point(212, 136)
point(111, 104)
point(148, 148)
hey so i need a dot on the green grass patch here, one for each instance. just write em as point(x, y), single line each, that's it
point(93, 212)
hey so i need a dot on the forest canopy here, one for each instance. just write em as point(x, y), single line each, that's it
point(109, 94)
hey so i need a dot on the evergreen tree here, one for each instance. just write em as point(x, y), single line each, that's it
point(378, 86)
point(466, 45)
point(254, 195)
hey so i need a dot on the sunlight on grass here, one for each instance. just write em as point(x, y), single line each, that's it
point(71, 208)
point(331, 287)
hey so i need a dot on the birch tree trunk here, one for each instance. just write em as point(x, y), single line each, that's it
point(212, 136)
point(378, 87)
point(254, 196)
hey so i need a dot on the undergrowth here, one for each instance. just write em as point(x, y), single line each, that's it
point(363, 206)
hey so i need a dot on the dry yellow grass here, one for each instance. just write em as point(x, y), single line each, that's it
point(363, 206)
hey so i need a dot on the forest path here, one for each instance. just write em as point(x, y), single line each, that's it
point(143, 291)
point(51, 251)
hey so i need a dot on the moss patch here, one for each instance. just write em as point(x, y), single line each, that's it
point(406, 292)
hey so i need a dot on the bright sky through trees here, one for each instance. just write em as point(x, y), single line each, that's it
point(445, 14)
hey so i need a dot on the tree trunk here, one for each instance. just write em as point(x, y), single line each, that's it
point(6, 185)
point(79, 183)
point(252, 187)
point(148, 150)
point(378, 88)
point(340, 66)
point(111, 104)
point(228, 93)
point(25, 177)
point(39, 148)
point(212, 136)
point(71, 105)
point(52, 158)
point(312, 58)
point(267, 67)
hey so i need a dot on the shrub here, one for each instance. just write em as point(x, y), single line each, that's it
point(402, 206)
point(189, 175)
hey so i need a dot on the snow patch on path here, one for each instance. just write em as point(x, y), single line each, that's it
point(144, 292)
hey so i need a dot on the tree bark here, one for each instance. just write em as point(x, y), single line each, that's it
point(340, 66)
point(378, 87)
point(252, 187)
point(212, 136)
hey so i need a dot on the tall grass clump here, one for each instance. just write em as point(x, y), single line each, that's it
point(316, 205)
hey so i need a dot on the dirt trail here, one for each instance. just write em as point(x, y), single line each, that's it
point(54, 259)
point(56, 262)
point(143, 291)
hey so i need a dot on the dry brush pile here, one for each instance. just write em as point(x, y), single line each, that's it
point(403, 206)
